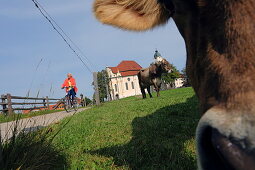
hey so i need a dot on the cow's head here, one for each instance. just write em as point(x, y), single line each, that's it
point(166, 66)
point(219, 38)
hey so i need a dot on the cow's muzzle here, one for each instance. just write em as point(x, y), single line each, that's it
point(226, 141)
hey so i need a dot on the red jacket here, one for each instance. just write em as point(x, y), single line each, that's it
point(70, 82)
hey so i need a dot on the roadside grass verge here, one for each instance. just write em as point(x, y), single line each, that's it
point(9, 118)
point(29, 148)
point(30, 151)
point(133, 133)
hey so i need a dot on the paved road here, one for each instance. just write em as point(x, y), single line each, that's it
point(33, 123)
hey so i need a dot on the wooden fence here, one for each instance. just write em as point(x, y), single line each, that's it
point(8, 104)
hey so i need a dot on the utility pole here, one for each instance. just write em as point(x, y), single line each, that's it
point(96, 88)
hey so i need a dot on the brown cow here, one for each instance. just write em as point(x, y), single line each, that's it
point(152, 76)
point(220, 43)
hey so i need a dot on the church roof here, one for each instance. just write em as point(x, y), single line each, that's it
point(126, 68)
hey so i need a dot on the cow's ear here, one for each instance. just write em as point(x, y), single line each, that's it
point(134, 15)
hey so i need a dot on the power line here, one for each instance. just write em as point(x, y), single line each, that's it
point(48, 18)
point(65, 33)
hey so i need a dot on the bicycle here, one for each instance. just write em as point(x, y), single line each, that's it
point(68, 103)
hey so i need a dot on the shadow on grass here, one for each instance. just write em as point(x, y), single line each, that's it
point(31, 150)
point(162, 140)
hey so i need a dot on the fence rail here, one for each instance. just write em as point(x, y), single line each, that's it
point(7, 103)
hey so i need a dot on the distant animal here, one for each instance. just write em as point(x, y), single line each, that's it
point(152, 76)
point(220, 42)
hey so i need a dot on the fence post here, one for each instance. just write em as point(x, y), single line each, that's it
point(47, 103)
point(9, 103)
point(96, 88)
point(4, 105)
point(82, 101)
point(44, 102)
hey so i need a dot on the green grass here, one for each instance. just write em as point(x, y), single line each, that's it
point(8, 118)
point(30, 151)
point(133, 133)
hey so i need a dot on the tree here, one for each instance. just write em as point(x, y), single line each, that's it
point(85, 101)
point(169, 78)
point(186, 82)
point(183, 71)
point(103, 81)
point(88, 100)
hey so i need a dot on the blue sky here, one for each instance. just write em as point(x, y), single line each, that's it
point(27, 38)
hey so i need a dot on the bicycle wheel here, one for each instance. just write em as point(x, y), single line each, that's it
point(75, 104)
point(67, 105)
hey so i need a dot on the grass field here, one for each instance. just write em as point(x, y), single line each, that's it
point(133, 133)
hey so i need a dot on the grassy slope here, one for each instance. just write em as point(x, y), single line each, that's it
point(155, 133)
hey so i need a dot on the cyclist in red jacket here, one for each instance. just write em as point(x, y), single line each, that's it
point(70, 85)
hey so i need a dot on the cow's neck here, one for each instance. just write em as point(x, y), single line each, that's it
point(158, 72)
point(221, 54)
point(230, 53)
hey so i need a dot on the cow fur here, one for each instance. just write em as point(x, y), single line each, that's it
point(131, 14)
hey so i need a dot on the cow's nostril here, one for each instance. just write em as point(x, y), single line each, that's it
point(216, 151)
point(209, 158)
point(223, 149)
point(230, 152)
point(225, 140)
